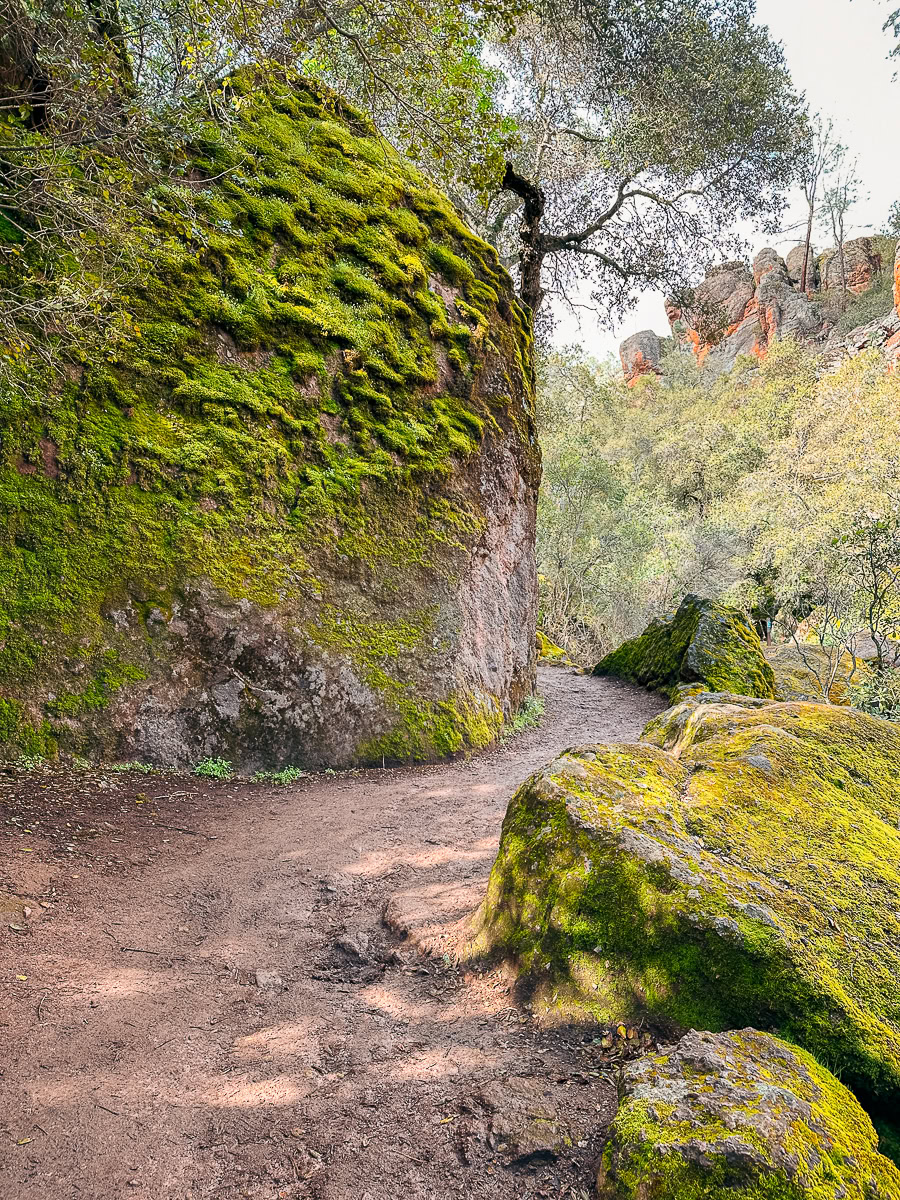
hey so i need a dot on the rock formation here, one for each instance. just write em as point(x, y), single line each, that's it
point(739, 865)
point(862, 262)
point(716, 308)
point(291, 519)
point(738, 311)
point(702, 646)
point(739, 1116)
point(640, 355)
point(794, 264)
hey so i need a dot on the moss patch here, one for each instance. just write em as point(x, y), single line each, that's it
point(739, 865)
point(701, 644)
point(740, 1116)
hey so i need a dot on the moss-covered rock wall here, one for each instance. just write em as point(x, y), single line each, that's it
point(290, 518)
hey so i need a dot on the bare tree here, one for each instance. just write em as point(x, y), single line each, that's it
point(820, 160)
point(839, 198)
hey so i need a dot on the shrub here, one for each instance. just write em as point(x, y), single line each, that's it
point(214, 768)
point(878, 693)
point(286, 775)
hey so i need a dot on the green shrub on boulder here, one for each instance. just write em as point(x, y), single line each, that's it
point(703, 643)
point(740, 864)
point(740, 1116)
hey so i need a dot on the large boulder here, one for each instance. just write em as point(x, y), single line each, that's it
point(862, 262)
point(767, 260)
point(290, 519)
point(702, 645)
point(739, 865)
point(713, 310)
point(640, 355)
point(740, 1116)
point(783, 311)
point(794, 265)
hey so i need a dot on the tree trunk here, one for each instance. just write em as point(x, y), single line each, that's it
point(809, 229)
point(531, 255)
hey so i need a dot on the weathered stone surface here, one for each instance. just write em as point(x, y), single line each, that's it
point(794, 264)
point(702, 643)
point(862, 262)
point(525, 1124)
point(767, 260)
point(293, 521)
point(715, 309)
point(783, 311)
point(640, 355)
point(740, 864)
point(740, 1116)
point(802, 673)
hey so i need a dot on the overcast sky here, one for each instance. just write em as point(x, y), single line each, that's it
point(837, 54)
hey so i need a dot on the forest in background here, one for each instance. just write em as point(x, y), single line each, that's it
point(775, 487)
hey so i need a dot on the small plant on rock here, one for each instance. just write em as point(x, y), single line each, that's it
point(214, 768)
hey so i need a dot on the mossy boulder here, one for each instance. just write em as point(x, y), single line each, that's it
point(550, 654)
point(740, 1116)
point(702, 645)
point(289, 517)
point(740, 864)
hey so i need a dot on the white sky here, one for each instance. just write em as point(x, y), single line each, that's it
point(837, 54)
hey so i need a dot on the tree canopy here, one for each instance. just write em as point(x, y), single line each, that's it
point(613, 140)
point(645, 132)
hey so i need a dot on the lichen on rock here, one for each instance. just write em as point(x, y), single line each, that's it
point(703, 644)
point(290, 519)
point(740, 864)
point(740, 1116)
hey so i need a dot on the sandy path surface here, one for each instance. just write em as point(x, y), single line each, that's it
point(199, 996)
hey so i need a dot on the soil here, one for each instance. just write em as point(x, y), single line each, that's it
point(246, 990)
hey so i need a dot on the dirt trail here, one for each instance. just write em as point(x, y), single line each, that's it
point(212, 1005)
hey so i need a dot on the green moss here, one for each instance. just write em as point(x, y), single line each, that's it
point(277, 417)
point(549, 652)
point(741, 866)
point(703, 643)
point(19, 735)
point(427, 730)
point(111, 676)
point(741, 1116)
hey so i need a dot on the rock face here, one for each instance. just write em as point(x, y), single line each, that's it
point(640, 355)
point(740, 1116)
point(291, 521)
point(703, 645)
point(794, 264)
point(715, 310)
point(737, 311)
point(862, 262)
point(739, 865)
point(803, 673)
point(783, 311)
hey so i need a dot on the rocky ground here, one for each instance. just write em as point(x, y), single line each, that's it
point(200, 996)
